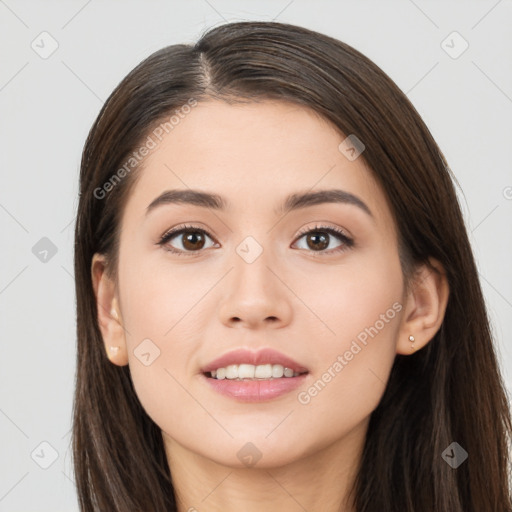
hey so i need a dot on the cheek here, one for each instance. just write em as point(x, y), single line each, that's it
point(158, 298)
point(162, 331)
point(347, 300)
point(360, 309)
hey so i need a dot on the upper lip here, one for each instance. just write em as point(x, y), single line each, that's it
point(262, 356)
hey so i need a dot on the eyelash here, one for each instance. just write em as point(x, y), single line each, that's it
point(347, 242)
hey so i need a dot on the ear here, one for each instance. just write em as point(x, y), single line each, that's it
point(424, 308)
point(109, 315)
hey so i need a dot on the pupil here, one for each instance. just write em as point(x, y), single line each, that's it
point(191, 238)
point(316, 237)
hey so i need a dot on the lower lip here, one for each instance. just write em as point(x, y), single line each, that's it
point(255, 390)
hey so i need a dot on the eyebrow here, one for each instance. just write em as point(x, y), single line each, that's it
point(292, 202)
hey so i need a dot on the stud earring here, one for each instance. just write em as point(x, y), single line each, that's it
point(114, 350)
point(411, 338)
point(113, 313)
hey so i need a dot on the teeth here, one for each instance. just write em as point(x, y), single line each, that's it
point(263, 371)
point(278, 371)
point(231, 371)
point(288, 372)
point(249, 371)
point(245, 371)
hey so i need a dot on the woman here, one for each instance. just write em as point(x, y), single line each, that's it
point(277, 303)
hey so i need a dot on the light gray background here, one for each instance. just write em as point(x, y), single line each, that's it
point(48, 105)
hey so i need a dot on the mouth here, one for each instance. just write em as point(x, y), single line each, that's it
point(242, 372)
point(245, 364)
point(254, 376)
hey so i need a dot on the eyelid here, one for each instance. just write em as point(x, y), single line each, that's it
point(319, 226)
point(184, 227)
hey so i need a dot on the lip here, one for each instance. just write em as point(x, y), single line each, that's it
point(262, 356)
point(251, 391)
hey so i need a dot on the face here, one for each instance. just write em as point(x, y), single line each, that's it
point(320, 284)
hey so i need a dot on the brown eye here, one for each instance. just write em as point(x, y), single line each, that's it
point(317, 240)
point(191, 240)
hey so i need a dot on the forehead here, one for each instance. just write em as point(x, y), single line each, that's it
point(253, 154)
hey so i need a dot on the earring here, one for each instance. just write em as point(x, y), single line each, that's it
point(114, 350)
point(411, 338)
point(113, 313)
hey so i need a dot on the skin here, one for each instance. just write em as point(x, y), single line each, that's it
point(194, 310)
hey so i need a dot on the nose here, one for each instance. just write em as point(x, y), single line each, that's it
point(255, 297)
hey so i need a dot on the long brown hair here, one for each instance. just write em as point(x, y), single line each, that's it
point(450, 391)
